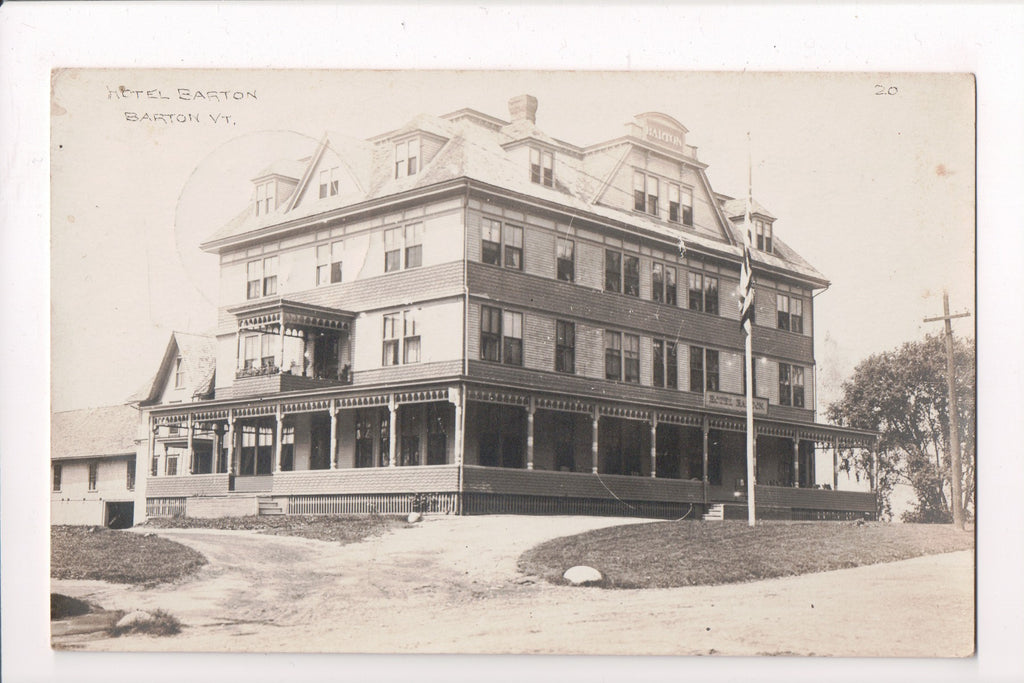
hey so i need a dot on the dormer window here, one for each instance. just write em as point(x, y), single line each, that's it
point(764, 235)
point(542, 167)
point(179, 373)
point(265, 198)
point(328, 182)
point(407, 158)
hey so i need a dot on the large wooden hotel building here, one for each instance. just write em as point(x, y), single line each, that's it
point(467, 315)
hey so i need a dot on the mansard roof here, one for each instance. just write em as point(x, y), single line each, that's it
point(476, 147)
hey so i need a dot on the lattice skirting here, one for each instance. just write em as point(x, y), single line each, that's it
point(798, 514)
point(490, 503)
point(165, 507)
point(378, 503)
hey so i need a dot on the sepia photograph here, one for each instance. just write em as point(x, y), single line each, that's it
point(502, 343)
point(367, 350)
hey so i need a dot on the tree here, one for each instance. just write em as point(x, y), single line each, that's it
point(902, 394)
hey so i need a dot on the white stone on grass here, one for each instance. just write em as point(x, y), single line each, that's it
point(414, 517)
point(581, 575)
point(133, 618)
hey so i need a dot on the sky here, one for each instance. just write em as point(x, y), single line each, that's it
point(870, 176)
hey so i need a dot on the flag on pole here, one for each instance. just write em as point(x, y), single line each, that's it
point(746, 274)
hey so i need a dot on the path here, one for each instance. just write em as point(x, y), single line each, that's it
point(451, 585)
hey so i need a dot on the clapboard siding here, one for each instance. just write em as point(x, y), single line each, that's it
point(495, 480)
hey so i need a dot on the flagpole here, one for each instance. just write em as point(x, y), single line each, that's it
point(745, 317)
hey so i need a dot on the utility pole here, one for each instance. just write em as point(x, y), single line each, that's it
point(954, 416)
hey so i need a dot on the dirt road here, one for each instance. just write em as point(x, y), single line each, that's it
point(451, 585)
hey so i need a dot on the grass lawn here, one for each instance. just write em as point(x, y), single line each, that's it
point(670, 554)
point(81, 552)
point(335, 528)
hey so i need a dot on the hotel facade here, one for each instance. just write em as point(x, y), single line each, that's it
point(466, 315)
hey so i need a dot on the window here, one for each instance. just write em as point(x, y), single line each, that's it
point(631, 357)
point(391, 323)
point(501, 336)
point(490, 333)
point(261, 278)
point(666, 364)
point(612, 271)
point(613, 355)
point(414, 245)
point(267, 350)
point(764, 235)
point(328, 262)
point(265, 198)
point(392, 250)
point(93, 474)
point(566, 253)
point(407, 155)
point(56, 476)
point(782, 308)
point(703, 369)
point(288, 448)
point(410, 339)
point(703, 293)
point(130, 476)
point(542, 167)
point(490, 242)
point(513, 246)
point(686, 198)
point(328, 182)
point(680, 204)
point(791, 385)
point(663, 283)
point(621, 273)
point(251, 350)
point(796, 316)
point(179, 373)
point(154, 466)
point(565, 347)
point(645, 193)
point(512, 338)
point(171, 469)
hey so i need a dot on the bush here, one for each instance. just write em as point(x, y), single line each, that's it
point(160, 623)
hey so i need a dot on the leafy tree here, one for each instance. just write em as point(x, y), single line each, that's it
point(903, 395)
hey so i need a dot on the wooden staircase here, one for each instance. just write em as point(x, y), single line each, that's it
point(267, 506)
point(716, 513)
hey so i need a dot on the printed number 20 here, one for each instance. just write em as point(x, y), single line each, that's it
point(882, 90)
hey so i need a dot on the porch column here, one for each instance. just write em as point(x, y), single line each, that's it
point(874, 470)
point(455, 397)
point(530, 410)
point(593, 440)
point(392, 431)
point(334, 434)
point(277, 439)
point(191, 455)
point(705, 428)
point(654, 444)
point(280, 351)
point(835, 464)
point(232, 466)
point(796, 462)
point(152, 446)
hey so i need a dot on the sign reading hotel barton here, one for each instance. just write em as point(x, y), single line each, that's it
point(737, 402)
point(663, 129)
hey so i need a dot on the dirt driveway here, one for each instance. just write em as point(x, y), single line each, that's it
point(451, 585)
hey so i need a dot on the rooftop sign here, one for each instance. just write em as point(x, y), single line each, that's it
point(663, 129)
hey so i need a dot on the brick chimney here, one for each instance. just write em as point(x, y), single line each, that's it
point(523, 107)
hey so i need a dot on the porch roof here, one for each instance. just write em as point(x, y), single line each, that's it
point(263, 313)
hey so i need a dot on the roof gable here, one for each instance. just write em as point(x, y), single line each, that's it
point(198, 357)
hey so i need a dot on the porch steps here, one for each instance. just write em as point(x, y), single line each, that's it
point(716, 513)
point(268, 506)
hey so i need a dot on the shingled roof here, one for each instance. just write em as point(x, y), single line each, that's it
point(198, 354)
point(93, 432)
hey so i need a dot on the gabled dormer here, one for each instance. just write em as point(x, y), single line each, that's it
point(762, 222)
point(275, 184)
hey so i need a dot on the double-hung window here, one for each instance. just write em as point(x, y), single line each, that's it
point(542, 167)
point(613, 355)
point(621, 273)
point(268, 342)
point(782, 311)
point(392, 250)
point(566, 254)
point(179, 373)
point(565, 346)
point(407, 156)
point(796, 315)
point(328, 262)
point(56, 476)
point(94, 468)
point(501, 244)
point(251, 347)
point(410, 338)
point(703, 369)
point(666, 364)
point(663, 283)
point(645, 193)
point(680, 204)
point(501, 336)
point(791, 385)
point(631, 357)
point(490, 241)
point(513, 235)
point(612, 271)
point(703, 293)
point(414, 245)
point(130, 476)
point(261, 278)
point(328, 182)
point(265, 198)
point(764, 235)
point(392, 329)
point(270, 276)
